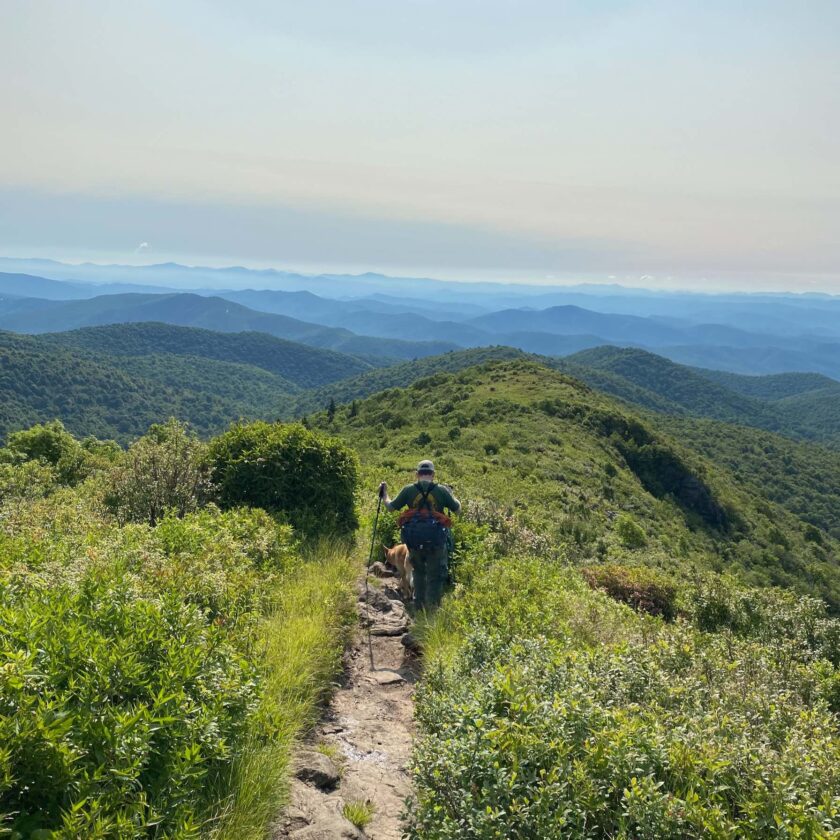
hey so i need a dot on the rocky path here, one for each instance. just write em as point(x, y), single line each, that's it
point(358, 755)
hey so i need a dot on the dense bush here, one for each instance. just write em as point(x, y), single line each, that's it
point(637, 586)
point(308, 478)
point(163, 470)
point(629, 532)
point(52, 445)
point(537, 740)
point(130, 672)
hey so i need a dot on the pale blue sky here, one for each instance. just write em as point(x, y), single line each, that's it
point(695, 141)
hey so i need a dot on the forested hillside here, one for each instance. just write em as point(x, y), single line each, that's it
point(114, 381)
point(306, 367)
point(805, 406)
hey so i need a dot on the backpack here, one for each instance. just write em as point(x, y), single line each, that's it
point(421, 527)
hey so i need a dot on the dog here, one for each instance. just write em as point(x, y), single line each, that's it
point(398, 558)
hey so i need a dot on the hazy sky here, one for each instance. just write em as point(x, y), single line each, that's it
point(697, 141)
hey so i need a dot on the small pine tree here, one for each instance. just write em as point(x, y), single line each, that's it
point(354, 409)
point(331, 410)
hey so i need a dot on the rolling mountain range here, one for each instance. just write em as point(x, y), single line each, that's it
point(35, 315)
point(384, 328)
point(211, 378)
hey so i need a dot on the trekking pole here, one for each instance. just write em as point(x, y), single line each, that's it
point(367, 571)
point(372, 543)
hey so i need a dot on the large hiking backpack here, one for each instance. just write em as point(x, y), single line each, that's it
point(422, 528)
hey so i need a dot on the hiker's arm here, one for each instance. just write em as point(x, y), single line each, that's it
point(451, 502)
point(397, 503)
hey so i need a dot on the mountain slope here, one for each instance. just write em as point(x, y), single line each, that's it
point(682, 389)
point(805, 406)
point(120, 397)
point(399, 376)
point(574, 464)
point(770, 386)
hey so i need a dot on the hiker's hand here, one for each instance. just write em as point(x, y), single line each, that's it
point(383, 489)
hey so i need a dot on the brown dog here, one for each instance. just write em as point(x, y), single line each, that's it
point(399, 559)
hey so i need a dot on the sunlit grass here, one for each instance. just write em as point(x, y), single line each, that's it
point(359, 813)
point(304, 640)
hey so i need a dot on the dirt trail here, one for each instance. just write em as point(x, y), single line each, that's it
point(360, 751)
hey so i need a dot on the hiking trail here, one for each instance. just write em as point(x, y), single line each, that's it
point(360, 750)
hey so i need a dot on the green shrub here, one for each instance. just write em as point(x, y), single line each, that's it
point(304, 476)
point(163, 470)
point(640, 587)
point(52, 445)
point(629, 532)
point(130, 670)
point(46, 442)
point(115, 708)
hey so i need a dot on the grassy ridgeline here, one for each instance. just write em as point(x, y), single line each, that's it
point(591, 477)
point(548, 710)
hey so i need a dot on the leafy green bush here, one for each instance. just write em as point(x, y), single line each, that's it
point(163, 470)
point(308, 478)
point(117, 710)
point(129, 669)
point(540, 740)
point(640, 587)
point(629, 532)
point(52, 445)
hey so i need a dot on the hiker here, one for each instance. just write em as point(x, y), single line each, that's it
point(426, 531)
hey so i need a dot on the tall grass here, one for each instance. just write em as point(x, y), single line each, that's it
point(304, 638)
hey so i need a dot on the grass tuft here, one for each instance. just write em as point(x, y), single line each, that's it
point(359, 813)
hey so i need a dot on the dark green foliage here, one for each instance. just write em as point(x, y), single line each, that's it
point(308, 478)
point(800, 405)
point(663, 474)
point(299, 364)
point(804, 478)
point(113, 397)
point(639, 587)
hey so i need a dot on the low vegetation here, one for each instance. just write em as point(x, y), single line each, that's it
point(616, 658)
point(159, 654)
point(552, 710)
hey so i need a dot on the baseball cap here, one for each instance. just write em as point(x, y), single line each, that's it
point(425, 467)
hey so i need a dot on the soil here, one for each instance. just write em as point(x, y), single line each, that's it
point(366, 731)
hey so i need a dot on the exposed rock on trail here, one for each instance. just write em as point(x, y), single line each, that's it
point(360, 751)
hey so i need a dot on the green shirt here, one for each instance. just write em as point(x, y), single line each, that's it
point(412, 495)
